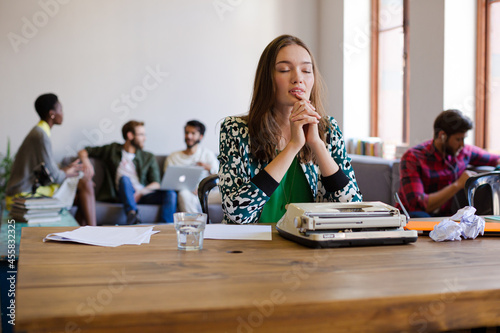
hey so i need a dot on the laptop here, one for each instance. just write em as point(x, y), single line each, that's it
point(184, 177)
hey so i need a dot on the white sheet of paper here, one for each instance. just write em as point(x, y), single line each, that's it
point(67, 191)
point(105, 236)
point(230, 231)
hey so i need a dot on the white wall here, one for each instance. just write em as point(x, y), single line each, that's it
point(427, 67)
point(330, 59)
point(93, 54)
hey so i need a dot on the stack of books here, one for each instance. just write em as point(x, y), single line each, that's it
point(366, 146)
point(36, 210)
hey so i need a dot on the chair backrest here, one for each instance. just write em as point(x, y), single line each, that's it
point(483, 193)
point(204, 188)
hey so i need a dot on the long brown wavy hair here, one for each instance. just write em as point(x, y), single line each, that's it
point(264, 131)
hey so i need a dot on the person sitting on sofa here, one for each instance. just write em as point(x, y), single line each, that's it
point(286, 149)
point(194, 154)
point(432, 172)
point(37, 149)
point(132, 174)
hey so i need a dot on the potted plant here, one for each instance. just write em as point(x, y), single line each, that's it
point(5, 169)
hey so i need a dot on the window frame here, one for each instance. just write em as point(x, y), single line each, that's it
point(374, 68)
point(483, 66)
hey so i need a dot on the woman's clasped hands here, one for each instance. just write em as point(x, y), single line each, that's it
point(304, 122)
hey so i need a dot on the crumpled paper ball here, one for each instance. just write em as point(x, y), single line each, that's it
point(446, 230)
point(470, 226)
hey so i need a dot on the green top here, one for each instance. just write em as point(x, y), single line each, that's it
point(292, 188)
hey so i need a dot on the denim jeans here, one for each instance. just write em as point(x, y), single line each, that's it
point(417, 214)
point(167, 199)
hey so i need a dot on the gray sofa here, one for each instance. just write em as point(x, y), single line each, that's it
point(378, 180)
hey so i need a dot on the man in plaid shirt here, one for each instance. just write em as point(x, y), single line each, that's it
point(432, 172)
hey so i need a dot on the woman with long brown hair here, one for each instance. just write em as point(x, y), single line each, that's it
point(286, 149)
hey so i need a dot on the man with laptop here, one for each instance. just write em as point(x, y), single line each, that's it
point(193, 163)
point(132, 174)
point(432, 172)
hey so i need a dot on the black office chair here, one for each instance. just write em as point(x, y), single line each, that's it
point(204, 188)
point(483, 193)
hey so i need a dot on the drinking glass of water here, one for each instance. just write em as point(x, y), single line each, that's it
point(190, 228)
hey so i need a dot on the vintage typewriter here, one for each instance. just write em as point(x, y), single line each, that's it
point(344, 224)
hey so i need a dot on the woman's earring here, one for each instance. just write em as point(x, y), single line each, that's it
point(52, 117)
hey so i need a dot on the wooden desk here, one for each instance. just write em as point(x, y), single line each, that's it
point(271, 286)
point(10, 237)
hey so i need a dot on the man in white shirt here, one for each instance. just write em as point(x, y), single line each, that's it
point(194, 154)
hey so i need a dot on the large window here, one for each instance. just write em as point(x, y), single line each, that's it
point(488, 75)
point(459, 81)
point(389, 103)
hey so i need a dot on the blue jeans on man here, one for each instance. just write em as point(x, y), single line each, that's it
point(167, 199)
point(419, 214)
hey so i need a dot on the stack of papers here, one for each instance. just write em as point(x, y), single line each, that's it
point(36, 210)
point(235, 231)
point(105, 236)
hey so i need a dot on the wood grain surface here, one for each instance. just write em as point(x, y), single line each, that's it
point(255, 286)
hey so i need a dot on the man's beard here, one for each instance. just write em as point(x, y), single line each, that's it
point(194, 144)
point(449, 151)
point(136, 144)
